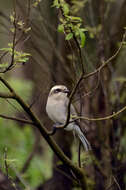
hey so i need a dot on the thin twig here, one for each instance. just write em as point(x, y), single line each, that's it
point(5, 162)
point(116, 182)
point(6, 95)
point(76, 170)
point(104, 64)
point(91, 92)
point(31, 155)
point(16, 108)
point(6, 168)
point(74, 180)
point(20, 178)
point(16, 119)
point(101, 118)
point(13, 44)
point(70, 100)
point(79, 153)
point(80, 54)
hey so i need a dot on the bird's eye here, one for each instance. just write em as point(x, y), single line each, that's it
point(57, 90)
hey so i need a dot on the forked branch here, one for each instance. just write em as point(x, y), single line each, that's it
point(77, 171)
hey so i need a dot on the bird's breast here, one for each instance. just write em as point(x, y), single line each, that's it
point(56, 111)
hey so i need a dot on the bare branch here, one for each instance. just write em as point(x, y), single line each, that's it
point(16, 119)
point(5, 162)
point(102, 118)
point(70, 100)
point(79, 154)
point(104, 64)
point(116, 182)
point(12, 183)
point(77, 171)
point(5, 95)
point(6, 84)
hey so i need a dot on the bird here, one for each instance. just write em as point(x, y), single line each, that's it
point(57, 111)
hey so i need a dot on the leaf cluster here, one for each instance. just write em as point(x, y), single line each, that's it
point(69, 24)
point(20, 24)
point(19, 56)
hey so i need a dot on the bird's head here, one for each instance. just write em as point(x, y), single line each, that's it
point(59, 92)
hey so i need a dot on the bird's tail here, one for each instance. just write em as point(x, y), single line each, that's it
point(82, 138)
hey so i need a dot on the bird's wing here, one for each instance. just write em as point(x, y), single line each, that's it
point(72, 108)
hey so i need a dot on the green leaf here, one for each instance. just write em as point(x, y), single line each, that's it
point(12, 30)
point(25, 54)
point(84, 29)
point(69, 36)
point(60, 28)
point(74, 18)
point(56, 4)
point(83, 39)
point(20, 23)
point(12, 18)
point(66, 9)
point(27, 29)
point(77, 32)
point(10, 45)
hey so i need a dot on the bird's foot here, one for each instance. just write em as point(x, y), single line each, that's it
point(55, 127)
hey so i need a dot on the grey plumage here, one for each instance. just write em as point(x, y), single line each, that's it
point(81, 136)
point(56, 109)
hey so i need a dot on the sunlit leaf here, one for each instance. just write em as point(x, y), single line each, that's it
point(69, 36)
point(83, 38)
point(60, 28)
point(73, 18)
point(66, 9)
point(12, 30)
point(56, 3)
point(27, 29)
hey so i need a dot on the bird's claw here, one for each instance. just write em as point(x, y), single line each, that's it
point(55, 127)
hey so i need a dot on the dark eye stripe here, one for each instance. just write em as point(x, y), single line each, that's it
point(57, 90)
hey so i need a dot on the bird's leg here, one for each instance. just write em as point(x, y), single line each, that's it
point(55, 127)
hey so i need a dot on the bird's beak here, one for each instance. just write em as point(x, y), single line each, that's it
point(66, 91)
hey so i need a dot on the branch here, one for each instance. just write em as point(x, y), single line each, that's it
point(16, 119)
point(12, 183)
point(74, 37)
point(77, 171)
point(79, 154)
point(116, 182)
point(105, 63)
point(13, 45)
point(5, 95)
point(6, 84)
point(19, 178)
point(5, 162)
point(67, 175)
point(101, 118)
point(70, 100)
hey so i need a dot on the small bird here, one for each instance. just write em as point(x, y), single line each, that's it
point(57, 110)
